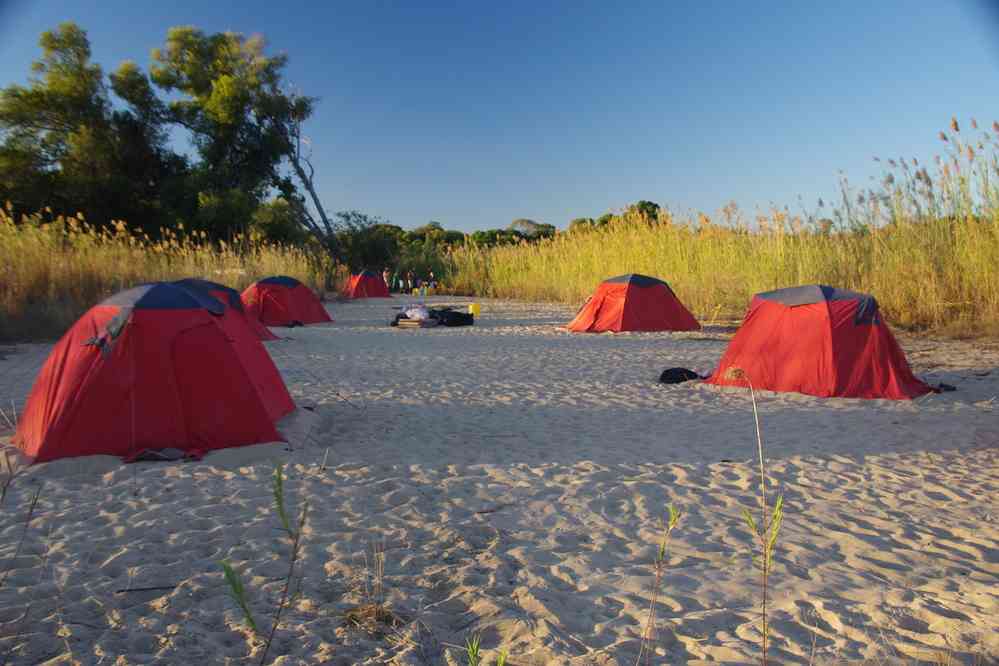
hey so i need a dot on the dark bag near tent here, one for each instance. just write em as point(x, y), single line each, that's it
point(677, 375)
point(452, 318)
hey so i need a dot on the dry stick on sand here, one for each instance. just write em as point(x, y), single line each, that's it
point(766, 532)
point(649, 636)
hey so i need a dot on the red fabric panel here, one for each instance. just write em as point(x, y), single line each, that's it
point(584, 318)
point(258, 363)
point(781, 349)
point(869, 362)
point(279, 305)
point(221, 406)
point(655, 308)
point(306, 306)
point(819, 350)
point(602, 312)
point(619, 306)
point(76, 388)
point(261, 331)
point(171, 379)
point(367, 286)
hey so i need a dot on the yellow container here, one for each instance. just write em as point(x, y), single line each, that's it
point(416, 291)
point(474, 309)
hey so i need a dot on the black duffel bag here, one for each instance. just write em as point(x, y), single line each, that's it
point(453, 318)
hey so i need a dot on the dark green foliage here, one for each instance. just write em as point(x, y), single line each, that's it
point(65, 146)
point(493, 237)
point(276, 221)
point(79, 141)
point(366, 242)
point(531, 229)
point(648, 210)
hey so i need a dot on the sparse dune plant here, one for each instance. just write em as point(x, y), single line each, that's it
point(649, 635)
point(766, 532)
point(293, 530)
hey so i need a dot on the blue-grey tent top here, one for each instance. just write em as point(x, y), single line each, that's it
point(280, 279)
point(206, 287)
point(867, 306)
point(637, 280)
point(164, 296)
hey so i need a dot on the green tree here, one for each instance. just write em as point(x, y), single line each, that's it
point(366, 242)
point(581, 224)
point(56, 128)
point(243, 125)
point(647, 210)
point(64, 146)
point(276, 221)
point(531, 229)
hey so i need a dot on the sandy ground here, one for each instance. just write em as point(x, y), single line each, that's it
point(514, 476)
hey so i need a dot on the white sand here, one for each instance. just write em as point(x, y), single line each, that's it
point(515, 476)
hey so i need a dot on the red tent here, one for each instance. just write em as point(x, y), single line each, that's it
point(367, 284)
point(153, 367)
point(245, 340)
point(633, 303)
point(283, 301)
point(231, 298)
point(820, 341)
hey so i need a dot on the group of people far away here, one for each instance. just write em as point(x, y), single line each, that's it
point(407, 281)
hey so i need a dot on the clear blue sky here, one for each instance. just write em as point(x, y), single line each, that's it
point(476, 113)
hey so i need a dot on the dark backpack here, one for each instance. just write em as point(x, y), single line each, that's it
point(677, 375)
point(453, 318)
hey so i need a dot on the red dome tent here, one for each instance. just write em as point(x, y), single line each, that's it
point(367, 284)
point(820, 341)
point(230, 298)
point(152, 367)
point(633, 303)
point(243, 336)
point(283, 301)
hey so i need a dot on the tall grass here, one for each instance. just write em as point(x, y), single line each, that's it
point(926, 245)
point(55, 267)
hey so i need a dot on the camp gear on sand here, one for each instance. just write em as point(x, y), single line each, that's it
point(445, 316)
point(677, 376)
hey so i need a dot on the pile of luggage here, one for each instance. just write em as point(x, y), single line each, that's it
point(420, 316)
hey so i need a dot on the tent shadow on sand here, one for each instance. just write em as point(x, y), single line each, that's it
point(514, 395)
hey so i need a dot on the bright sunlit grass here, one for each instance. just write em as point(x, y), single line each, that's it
point(927, 247)
point(55, 268)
